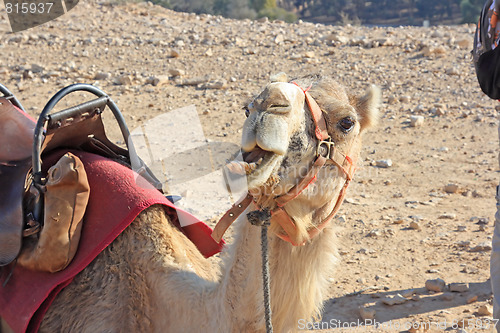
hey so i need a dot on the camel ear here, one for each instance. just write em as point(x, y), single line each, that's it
point(367, 107)
point(279, 77)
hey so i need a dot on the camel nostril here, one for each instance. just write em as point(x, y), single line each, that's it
point(280, 108)
point(247, 111)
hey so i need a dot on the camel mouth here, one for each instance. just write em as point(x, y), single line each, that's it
point(252, 160)
point(255, 155)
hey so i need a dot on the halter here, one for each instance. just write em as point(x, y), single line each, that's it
point(325, 151)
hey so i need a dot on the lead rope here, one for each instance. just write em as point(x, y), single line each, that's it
point(265, 276)
point(262, 218)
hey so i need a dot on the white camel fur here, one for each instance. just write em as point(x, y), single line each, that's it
point(153, 279)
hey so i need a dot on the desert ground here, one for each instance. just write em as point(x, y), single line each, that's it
point(422, 204)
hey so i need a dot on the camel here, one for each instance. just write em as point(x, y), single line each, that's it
point(153, 279)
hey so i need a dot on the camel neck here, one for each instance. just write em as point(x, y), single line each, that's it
point(299, 278)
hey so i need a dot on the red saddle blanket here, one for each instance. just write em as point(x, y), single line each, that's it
point(117, 196)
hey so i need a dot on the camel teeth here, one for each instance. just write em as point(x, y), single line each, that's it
point(238, 168)
point(250, 167)
point(259, 161)
point(242, 168)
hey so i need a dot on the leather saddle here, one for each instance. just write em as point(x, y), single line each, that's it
point(16, 144)
point(22, 152)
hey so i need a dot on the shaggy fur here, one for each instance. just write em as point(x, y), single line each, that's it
point(152, 279)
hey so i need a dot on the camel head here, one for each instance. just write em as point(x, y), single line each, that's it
point(279, 143)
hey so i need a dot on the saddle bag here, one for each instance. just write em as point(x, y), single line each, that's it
point(42, 208)
point(65, 200)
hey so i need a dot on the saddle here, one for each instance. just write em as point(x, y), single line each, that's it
point(23, 145)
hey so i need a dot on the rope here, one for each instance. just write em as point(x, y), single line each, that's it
point(262, 218)
point(265, 277)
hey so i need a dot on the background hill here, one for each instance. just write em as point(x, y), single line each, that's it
point(378, 12)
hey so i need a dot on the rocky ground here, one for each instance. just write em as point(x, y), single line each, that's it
point(422, 204)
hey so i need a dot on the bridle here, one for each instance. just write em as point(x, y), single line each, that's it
point(325, 152)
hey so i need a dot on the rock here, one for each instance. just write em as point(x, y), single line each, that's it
point(392, 100)
point(309, 54)
point(278, 77)
point(279, 39)
point(341, 219)
point(35, 68)
point(399, 220)
point(394, 299)
point(451, 188)
point(217, 84)
point(384, 163)
point(408, 293)
point(419, 108)
point(174, 54)
point(176, 72)
point(336, 38)
point(462, 228)
point(447, 297)
point(405, 99)
point(209, 53)
point(447, 216)
point(483, 221)
point(124, 80)
point(52, 74)
point(414, 225)
point(160, 80)
point(481, 247)
point(366, 314)
point(195, 81)
point(464, 44)
point(440, 50)
point(436, 285)
point(438, 111)
point(428, 51)
point(101, 76)
point(459, 287)
point(28, 75)
point(452, 71)
point(485, 310)
point(374, 233)
point(471, 299)
point(250, 51)
point(416, 121)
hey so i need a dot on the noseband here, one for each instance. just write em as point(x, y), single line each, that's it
point(325, 152)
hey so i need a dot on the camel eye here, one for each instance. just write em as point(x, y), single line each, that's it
point(346, 124)
point(247, 111)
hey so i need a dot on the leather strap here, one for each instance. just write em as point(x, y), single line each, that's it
point(320, 131)
point(286, 222)
point(308, 179)
point(229, 217)
point(318, 117)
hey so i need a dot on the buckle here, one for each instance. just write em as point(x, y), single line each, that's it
point(325, 148)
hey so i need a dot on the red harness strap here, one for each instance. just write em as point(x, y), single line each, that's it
point(325, 152)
